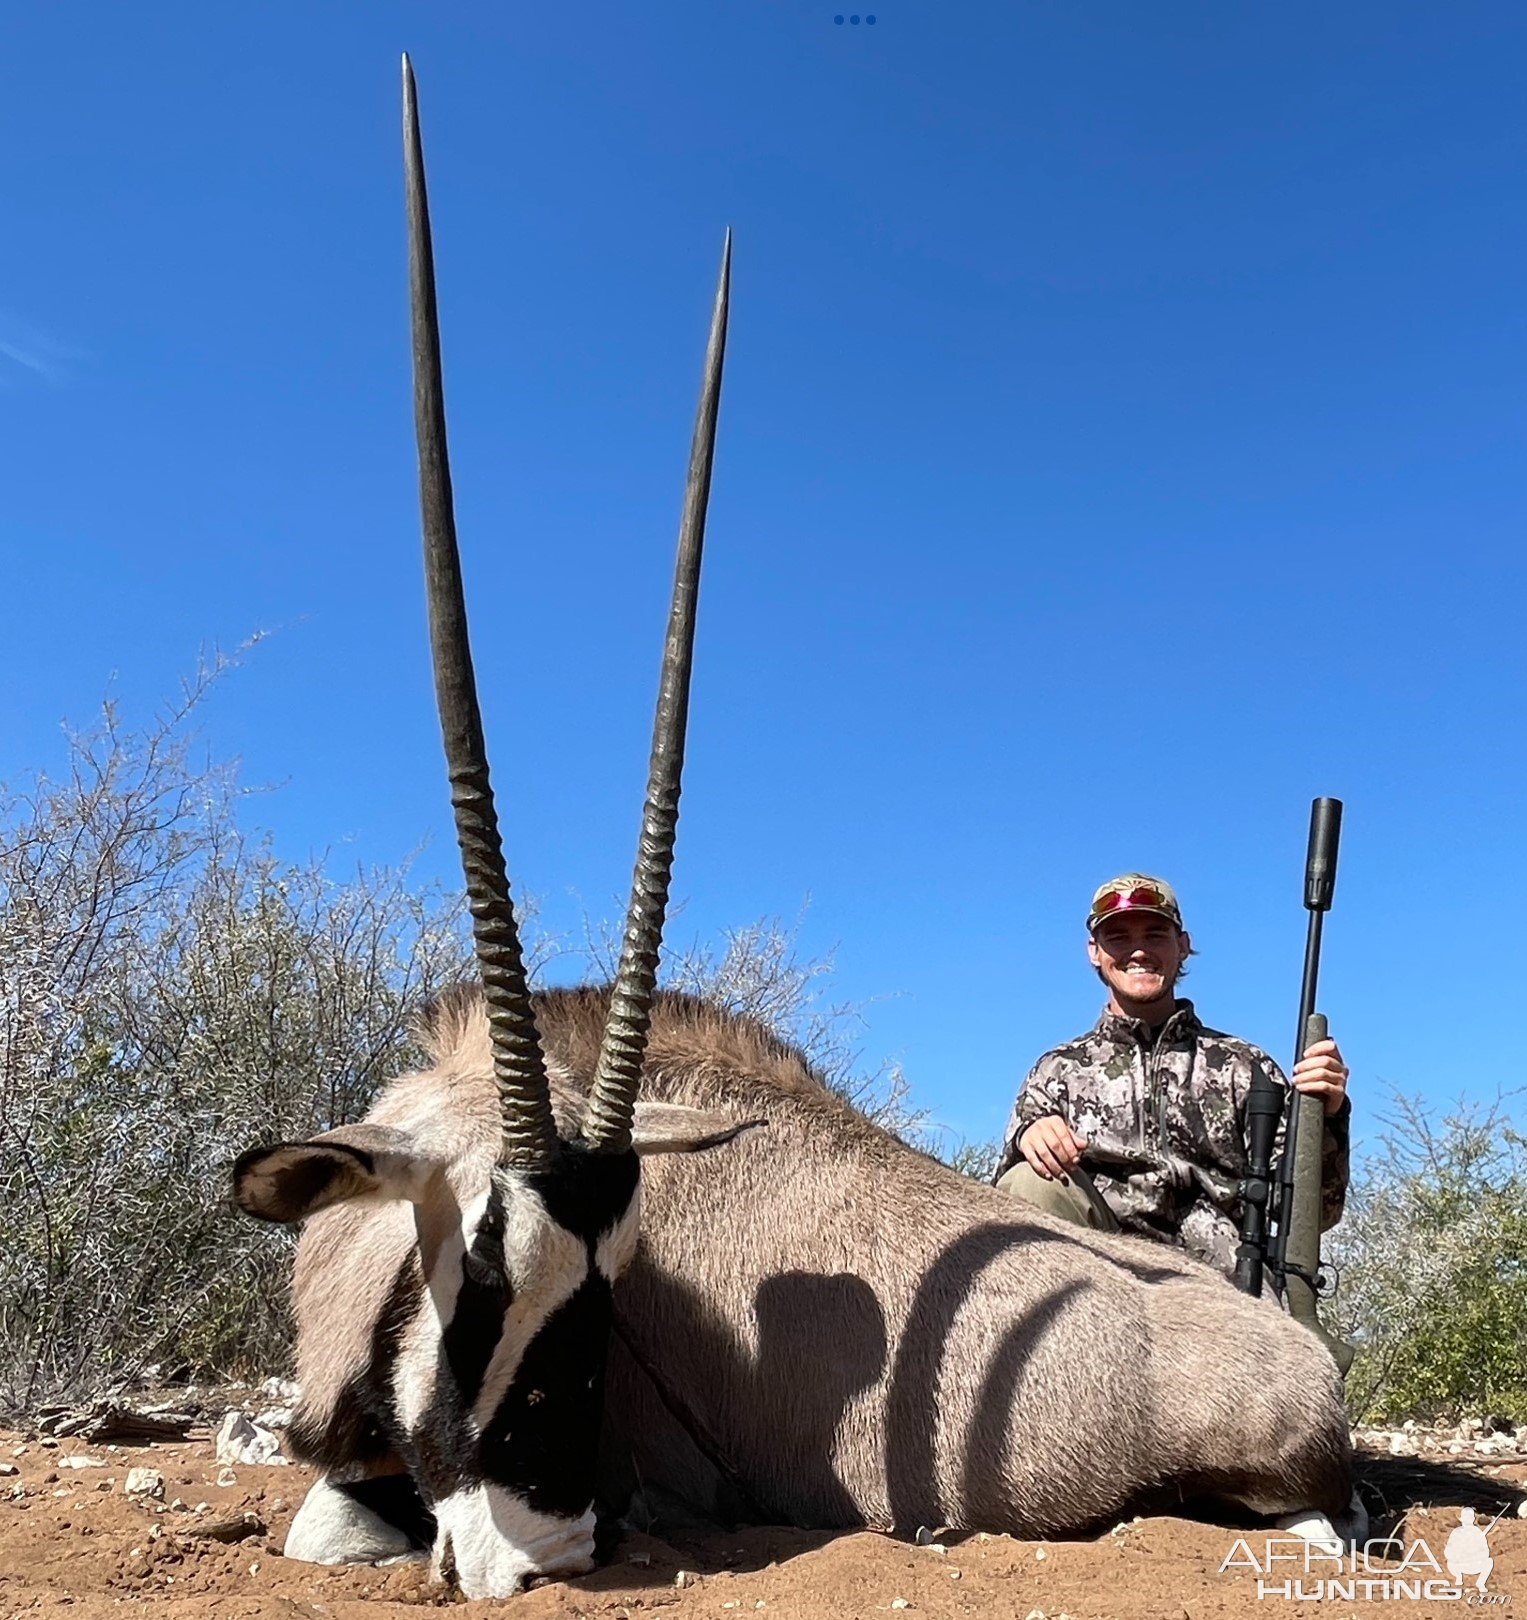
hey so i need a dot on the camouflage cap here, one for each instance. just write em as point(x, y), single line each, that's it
point(1133, 891)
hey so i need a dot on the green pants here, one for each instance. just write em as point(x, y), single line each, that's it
point(1072, 1198)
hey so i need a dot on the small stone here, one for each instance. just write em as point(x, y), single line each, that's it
point(954, 1574)
point(145, 1482)
point(48, 1444)
point(900, 1603)
point(279, 1505)
point(64, 1490)
point(178, 1505)
point(226, 1478)
point(1040, 1555)
point(80, 1462)
point(1521, 1509)
point(227, 1530)
point(241, 1441)
point(254, 1568)
point(8, 1470)
point(686, 1577)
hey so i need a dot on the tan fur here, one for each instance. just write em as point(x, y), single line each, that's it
point(826, 1327)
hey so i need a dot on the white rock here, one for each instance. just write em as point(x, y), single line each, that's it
point(900, 1603)
point(8, 1470)
point(1521, 1509)
point(283, 1390)
point(686, 1577)
point(226, 1477)
point(1040, 1555)
point(80, 1462)
point(241, 1441)
point(145, 1482)
point(275, 1417)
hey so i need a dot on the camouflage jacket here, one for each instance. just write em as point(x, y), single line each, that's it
point(1165, 1121)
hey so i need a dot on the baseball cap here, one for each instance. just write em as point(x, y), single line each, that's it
point(1133, 891)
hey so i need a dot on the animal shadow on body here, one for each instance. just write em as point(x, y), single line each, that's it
point(833, 1369)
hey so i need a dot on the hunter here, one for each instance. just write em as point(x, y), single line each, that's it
point(1139, 1125)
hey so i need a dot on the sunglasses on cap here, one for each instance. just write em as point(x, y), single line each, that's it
point(1143, 894)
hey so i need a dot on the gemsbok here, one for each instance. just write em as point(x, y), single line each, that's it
point(819, 1326)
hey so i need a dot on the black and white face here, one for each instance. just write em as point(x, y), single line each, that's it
point(482, 1366)
point(499, 1372)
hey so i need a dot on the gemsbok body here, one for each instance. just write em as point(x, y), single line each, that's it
point(508, 1298)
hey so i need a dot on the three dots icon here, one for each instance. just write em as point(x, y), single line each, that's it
point(855, 20)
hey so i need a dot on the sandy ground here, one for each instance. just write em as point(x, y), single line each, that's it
point(72, 1541)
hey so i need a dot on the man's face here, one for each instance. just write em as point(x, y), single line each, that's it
point(1138, 954)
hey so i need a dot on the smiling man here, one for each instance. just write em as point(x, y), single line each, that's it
point(1140, 1124)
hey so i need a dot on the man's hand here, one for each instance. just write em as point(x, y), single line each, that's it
point(1319, 1073)
point(1051, 1147)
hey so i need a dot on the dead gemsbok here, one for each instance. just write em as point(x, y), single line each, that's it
point(453, 1283)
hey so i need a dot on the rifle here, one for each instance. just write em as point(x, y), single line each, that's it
point(1289, 1201)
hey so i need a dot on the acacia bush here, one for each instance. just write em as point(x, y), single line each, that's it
point(169, 994)
point(1432, 1260)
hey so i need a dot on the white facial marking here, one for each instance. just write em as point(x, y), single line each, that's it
point(419, 1344)
point(617, 1248)
point(496, 1542)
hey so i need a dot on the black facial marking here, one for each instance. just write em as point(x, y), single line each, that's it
point(473, 1332)
point(542, 1440)
point(587, 1193)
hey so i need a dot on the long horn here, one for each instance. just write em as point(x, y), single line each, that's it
point(612, 1099)
point(530, 1134)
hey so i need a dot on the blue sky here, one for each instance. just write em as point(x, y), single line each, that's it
point(1122, 443)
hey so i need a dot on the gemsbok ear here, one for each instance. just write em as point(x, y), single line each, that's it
point(674, 1128)
point(291, 1180)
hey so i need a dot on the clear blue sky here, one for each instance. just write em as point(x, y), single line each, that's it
point(1123, 442)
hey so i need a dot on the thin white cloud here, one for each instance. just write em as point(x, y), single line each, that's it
point(28, 348)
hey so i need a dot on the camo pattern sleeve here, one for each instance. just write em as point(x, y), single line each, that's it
point(1046, 1091)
